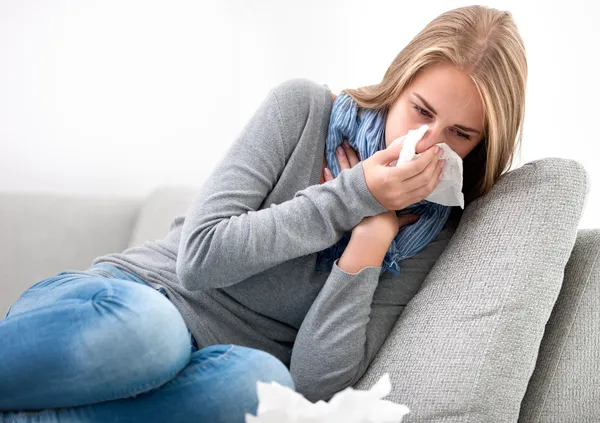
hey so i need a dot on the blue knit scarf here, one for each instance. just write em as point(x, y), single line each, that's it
point(364, 130)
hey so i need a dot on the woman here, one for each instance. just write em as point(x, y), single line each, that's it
point(280, 270)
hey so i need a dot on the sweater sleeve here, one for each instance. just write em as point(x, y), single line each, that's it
point(227, 238)
point(352, 317)
point(340, 334)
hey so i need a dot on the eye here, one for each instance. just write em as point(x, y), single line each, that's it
point(422, 111)
point(461, 134)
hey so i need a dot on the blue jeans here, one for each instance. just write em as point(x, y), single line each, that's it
point(101, 345)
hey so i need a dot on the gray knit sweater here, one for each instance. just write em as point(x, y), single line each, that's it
point(240, 265)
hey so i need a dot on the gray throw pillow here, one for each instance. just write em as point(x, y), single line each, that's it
point(466, 344)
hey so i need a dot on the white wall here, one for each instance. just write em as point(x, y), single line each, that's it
point(118, 97)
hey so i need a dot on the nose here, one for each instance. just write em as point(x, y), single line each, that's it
point(432, 137)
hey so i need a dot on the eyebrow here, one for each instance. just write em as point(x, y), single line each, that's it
point(464, 128)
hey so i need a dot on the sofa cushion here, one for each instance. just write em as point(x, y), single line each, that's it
point(158, 211)
point(466, 344)
point(565, 386)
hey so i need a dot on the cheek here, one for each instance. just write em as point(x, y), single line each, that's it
point(461, 148)
point(397, 124)
point(461, 151)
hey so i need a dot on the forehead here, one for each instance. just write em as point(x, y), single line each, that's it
point(450, 91)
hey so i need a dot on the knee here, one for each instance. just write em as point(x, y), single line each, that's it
point(262, 366)
point(227, 377)
point(246, 366)
point(144, 323)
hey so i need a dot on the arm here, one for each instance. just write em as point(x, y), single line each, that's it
point(225, 238)
point(331, 350)
point(351, 318)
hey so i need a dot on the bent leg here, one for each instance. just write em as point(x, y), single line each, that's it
point(79, 338)
point(218, 385)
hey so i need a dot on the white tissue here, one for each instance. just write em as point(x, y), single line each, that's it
point(280, 404)
point(449, 190)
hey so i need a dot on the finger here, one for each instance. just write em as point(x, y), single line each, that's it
point(438, 173)
point(414, 167)
point(437, 178)
point(423, 178)
point(342, 158)
point(434, 181)
point(407, 219)
point(327, 175)
point(432, 154)
point(389, 154)
point(351, 154)
point(424, 190)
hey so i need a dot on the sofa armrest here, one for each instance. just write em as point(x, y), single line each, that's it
point(565, 384)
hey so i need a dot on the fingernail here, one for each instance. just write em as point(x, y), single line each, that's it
point(340, 150)
point(346, 143)
point(442, 164)
point(328, 172)
point(437, 149)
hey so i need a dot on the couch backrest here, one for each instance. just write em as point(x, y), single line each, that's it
point(43, 234)
point(158, 212)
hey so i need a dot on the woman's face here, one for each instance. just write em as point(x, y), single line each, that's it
point(447, 100)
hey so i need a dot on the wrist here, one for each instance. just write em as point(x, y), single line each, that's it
point(362, 252)
point(371, 239)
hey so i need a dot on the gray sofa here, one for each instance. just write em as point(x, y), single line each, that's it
point(505, 328)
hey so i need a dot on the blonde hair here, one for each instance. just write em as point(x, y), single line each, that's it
point(486, 43)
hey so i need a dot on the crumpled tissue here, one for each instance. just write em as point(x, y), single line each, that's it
point(280, 404)
point(449, 190)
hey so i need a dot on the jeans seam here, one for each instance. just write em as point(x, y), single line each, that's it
point(7, 312)
point(205, 362)
point(28, 413)
point(140, 390)
point(211, 360)
point(104, 273)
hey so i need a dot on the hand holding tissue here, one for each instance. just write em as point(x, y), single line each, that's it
point(449, 190)
point(280, 404)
